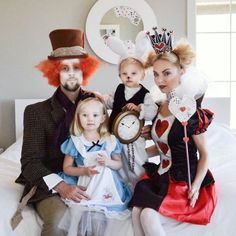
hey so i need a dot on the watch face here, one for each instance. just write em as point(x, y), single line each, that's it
point(127, 126)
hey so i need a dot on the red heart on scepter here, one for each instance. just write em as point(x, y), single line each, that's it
point(182, 109)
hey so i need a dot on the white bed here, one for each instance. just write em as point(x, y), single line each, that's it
point(10, 192)
point(222, 151)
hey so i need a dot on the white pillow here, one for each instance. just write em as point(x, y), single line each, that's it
point(13, 153)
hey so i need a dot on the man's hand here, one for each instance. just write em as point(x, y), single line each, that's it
point(71, 192)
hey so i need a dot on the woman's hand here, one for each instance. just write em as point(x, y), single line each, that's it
point(193, 195)
point(202, 167)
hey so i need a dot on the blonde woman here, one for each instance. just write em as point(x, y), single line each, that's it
point(163, 195)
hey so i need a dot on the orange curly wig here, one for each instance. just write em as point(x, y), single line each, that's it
point(51, 69)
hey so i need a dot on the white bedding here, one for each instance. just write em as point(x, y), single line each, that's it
point(10, 194)
point(222, 150)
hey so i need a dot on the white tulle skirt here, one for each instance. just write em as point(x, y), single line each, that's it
point(107, 208)
point(81, 221)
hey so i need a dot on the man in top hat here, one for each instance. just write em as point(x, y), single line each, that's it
point(46, 126)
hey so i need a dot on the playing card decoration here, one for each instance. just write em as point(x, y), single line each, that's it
point(128, 12)
point(183, 109)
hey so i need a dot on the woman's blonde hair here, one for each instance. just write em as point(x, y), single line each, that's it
point(181, 56)
point(76, 127)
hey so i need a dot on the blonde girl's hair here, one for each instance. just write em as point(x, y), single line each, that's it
point(131, 60)
point(181, 56)
point(76, 128)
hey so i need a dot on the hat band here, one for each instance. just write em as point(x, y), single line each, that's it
point(68, 52)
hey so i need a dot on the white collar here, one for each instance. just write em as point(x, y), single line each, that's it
point(89, 143)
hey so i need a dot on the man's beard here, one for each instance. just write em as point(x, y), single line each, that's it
point(72, 88)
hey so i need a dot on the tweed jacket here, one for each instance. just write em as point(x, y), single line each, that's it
point(41, 155)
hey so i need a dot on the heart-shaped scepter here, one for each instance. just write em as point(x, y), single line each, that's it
point(183, 109)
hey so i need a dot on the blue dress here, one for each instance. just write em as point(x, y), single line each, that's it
point(108, 192)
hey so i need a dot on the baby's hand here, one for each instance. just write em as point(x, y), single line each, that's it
point(132, 107)
point(102, 159)
point(90, 170)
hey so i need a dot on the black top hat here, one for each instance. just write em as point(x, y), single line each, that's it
point(67, 43)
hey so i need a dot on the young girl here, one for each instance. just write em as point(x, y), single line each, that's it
point(92, 156)
point(131, 95)
point(164, 196)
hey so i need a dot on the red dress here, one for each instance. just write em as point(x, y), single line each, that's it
point(165, 186)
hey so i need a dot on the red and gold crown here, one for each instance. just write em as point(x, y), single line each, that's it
point(161, 42)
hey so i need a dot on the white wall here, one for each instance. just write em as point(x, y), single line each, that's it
point(25, 25)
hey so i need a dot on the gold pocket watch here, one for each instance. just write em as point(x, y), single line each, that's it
point(127, 126)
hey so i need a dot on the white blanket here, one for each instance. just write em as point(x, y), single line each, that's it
point(10, 194)
point(222, 150)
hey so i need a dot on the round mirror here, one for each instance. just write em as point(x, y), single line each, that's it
point(122, 22)
point(121, 18)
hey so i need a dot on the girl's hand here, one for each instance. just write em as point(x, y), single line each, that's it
point(132, 107)
point(90, 171)
point(193, 195)
point(102, 159)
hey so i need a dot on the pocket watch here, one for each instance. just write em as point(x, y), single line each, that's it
point(127, 126)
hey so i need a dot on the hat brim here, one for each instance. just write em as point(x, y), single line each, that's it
point(67, 57)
